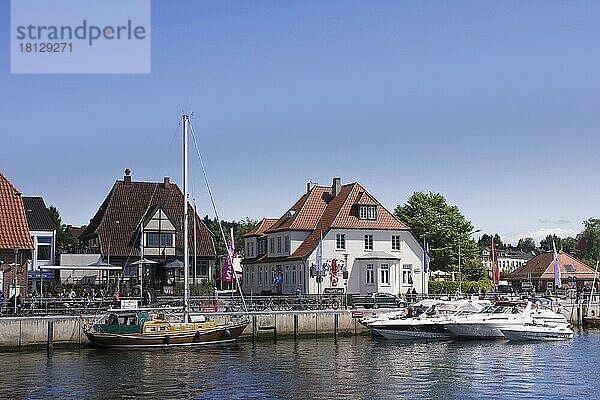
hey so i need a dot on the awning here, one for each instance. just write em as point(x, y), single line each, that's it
point(378, 255)
point(90, 267)
point(174, 264)
point(143, 261)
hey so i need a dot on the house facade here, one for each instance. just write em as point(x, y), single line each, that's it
point(145, 219)
point(365, 248)
point(43, 236)
point(15, 241)
point(508, 259)
point(540, 272)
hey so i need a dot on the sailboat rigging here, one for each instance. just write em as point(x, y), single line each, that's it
point(142, 328)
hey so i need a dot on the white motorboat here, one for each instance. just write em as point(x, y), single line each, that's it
point(430, 324)
point(488, 323)
point(538, 331)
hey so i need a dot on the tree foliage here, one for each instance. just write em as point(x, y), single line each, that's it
point(240, 228)
point(526, 244)
point(445, 228)
point(588, 247)
point(485, 241)
point(546, 243)
point(64, 238)
point(473, 270)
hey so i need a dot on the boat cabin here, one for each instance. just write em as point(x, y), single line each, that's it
point(129, 322)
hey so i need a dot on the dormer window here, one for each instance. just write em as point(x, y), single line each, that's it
point(367, 212)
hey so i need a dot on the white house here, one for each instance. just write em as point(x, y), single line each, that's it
point(43, 236)
point(366, 249)
point(508, 259)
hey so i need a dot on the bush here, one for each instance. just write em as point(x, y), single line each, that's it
point(449, 287)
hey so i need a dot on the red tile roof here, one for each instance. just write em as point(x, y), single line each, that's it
point(318, 211)
point(261, 227)
point(127, 202)
point(14, 231)
point(541, 267)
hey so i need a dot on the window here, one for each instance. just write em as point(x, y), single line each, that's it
point(301, 274)
point(252, 276)
point(251, 249)
point(407, 274)
point(153, 239)
point(367, 212)
point(293, 275)
point(384, 272)
point(340, 241)
point(248, 249)
point(395, 242)
point(43, 248)
point(569, 268)
point(370, 275)
point(287, 244)
point(272, 245)
point(287, 271)
point(279, 244)
point(166, 240)
point(202, 268)
point(368, 242)
point(260, 279)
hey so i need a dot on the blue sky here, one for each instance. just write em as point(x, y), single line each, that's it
point(493, 104)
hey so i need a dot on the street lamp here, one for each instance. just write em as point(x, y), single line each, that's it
point(459, 272)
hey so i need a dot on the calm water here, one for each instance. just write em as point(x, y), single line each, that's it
point(351, 368)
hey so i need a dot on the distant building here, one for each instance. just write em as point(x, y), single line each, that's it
point(540, 271)
point(15, 241)
point(76, 231)
point(43, 235)
point(154, 208)
point(366, 248)
point(508, 259)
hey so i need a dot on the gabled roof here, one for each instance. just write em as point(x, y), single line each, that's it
point(318, 211)
point(14, 230)
point(261, 227)
point(541, 267)
point(37, 214)
point(76, 231)
point(127, 202)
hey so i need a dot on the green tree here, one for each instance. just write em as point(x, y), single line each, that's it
point(589, 241)
point(485, 241)
point(239, 230)
point(546, 243)
point(63, 236)
point(443, 225)
point(569, 245)
point(474, 270)
point(526, 244)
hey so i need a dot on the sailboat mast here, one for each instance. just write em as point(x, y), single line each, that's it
point(186, 250)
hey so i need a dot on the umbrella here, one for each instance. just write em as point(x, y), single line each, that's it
point(174, 264)
point(100, 263)
point(143, 261)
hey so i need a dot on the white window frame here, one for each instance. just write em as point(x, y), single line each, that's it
point(396, 243)
point(370, 274)
point(384, 274)
point(340, 241)
point(367, 212)
point(368, 242)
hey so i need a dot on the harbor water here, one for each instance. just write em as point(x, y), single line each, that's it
point(352, 367)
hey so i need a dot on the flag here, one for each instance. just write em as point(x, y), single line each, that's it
point(557, 277)
point(227, 271)
point(319, 265)
point(425, 257)
point(495, 271)
point(142, 243)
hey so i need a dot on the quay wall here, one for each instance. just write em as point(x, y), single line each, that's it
point(18, 332)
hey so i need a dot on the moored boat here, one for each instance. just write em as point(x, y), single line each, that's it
point(537, 331)
point(137, 328)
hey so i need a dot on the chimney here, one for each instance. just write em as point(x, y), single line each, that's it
point(336, 186)
point(310, 185)
point(167, 182)
point(127, 177)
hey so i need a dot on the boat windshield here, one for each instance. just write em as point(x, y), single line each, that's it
point(504, 309)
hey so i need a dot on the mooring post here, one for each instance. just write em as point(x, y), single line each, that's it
point(296, 327)
point(354, 326)
point(50, 344)
point(316, 324)
point(335, 325)
point(20, 333)
point(253, 328)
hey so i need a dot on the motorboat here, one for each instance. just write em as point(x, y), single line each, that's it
point(488, 323)
point(537, 331)
point(430, 324)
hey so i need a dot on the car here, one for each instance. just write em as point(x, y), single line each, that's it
point(505, 289)
point(526, 286)
point(376, 300)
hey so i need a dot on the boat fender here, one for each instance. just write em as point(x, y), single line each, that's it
point(226, 333)
point(167, 340)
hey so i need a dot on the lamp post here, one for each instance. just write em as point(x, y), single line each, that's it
point(459, 260)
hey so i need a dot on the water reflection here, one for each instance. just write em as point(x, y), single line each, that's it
point(354, 367)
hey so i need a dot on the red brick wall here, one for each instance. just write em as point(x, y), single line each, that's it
point(9, 271)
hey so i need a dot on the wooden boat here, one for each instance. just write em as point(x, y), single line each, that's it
point(135, 328)
point(140, 328)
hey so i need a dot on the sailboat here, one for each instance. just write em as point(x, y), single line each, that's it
point(145, 328)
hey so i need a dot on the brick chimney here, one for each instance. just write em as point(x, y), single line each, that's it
point(127, 177)
point(336, 186)
point(167, 182)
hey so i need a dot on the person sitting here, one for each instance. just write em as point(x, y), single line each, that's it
point(432, 311)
